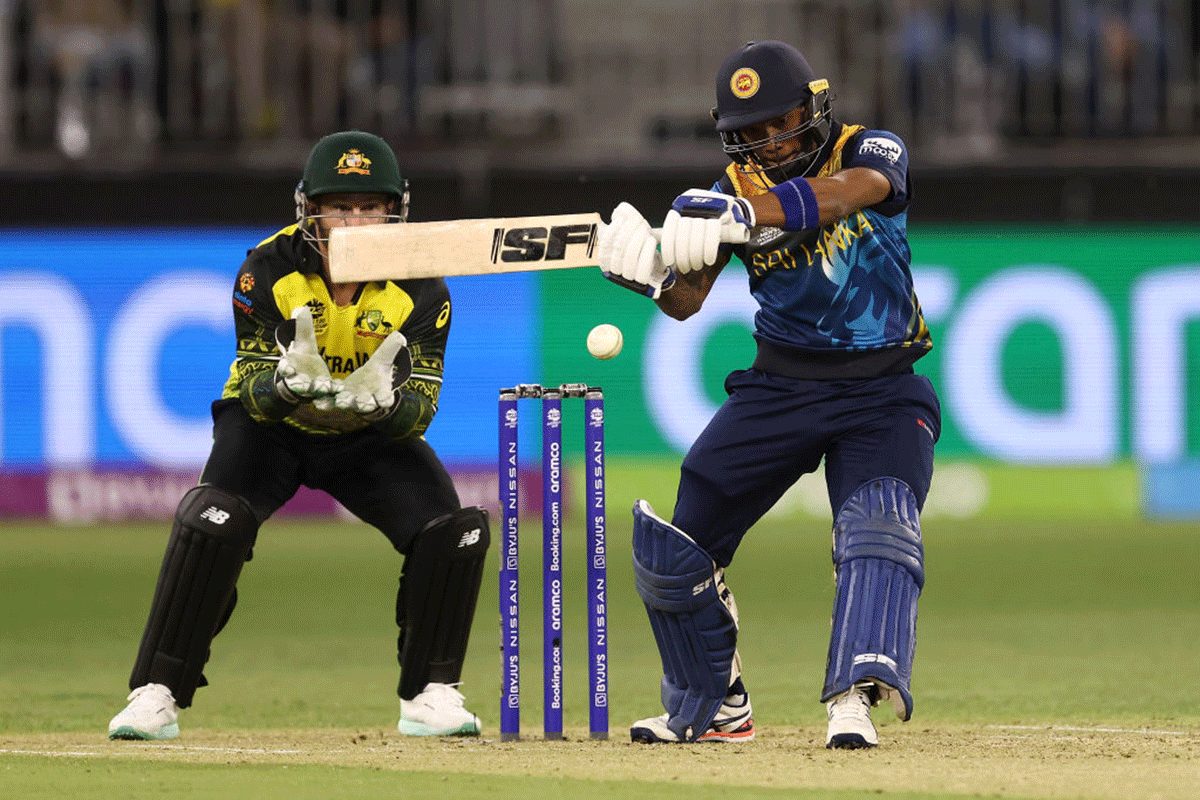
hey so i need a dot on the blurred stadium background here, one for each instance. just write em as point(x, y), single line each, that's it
point(146, 144)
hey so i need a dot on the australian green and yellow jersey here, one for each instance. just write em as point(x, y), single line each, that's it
point(283, 273)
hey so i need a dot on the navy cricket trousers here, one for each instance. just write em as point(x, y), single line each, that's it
point(771, 430)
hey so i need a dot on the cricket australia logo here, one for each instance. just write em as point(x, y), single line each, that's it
point(354, 162)
point(372, 325)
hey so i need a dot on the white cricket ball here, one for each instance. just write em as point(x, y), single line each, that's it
point(605, 341)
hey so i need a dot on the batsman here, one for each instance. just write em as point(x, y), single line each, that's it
point(332, 387)
point(816, 211)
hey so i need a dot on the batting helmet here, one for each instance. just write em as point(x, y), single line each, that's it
point(764, 81)
point(351, 162)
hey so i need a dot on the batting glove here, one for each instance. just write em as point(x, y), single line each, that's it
point(370, 391)
point(698, 223)
point(301, 373)
point(628, 253)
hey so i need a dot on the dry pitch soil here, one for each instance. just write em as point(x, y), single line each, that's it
point(1028, 762)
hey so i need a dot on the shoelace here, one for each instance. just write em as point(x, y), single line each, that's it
point(844, 703)
point(446, 692)
point(139, 694)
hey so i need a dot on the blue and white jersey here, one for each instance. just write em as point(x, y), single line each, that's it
point(842, 294)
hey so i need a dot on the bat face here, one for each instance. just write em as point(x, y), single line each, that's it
point(462, 247)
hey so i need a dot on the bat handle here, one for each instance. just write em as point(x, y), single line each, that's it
point(730, 234)
point(640, 288)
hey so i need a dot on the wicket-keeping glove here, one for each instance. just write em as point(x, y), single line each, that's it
point(698, 223)
point(628, 253)
point(370, 391)
point(301, 373)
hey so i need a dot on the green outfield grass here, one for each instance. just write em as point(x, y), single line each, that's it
point(1084, 620)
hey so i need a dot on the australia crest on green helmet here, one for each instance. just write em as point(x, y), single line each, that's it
point(350, 162)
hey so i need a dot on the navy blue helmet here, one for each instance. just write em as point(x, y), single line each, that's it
point(764, 81)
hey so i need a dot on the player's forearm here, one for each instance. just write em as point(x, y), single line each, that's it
point(416, 403)
point(768, 210)
point(260, 396)
point(836, 197)
point(687, 295)
point(411, 418)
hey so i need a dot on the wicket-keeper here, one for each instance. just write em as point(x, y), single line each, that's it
point(332, 387)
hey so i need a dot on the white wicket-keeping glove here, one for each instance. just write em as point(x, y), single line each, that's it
point(698, 223)
point(370, 391)
point(301, 373)
point(628, 253)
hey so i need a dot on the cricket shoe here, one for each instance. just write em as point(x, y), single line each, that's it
point(733, 722)
point(437, 711)
point(850, 726)
point(151, 714)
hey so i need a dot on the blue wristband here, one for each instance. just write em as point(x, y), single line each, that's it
point(799, 202)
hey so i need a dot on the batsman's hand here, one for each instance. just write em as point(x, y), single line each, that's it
point(370, 391)
point(301, 373)
point(628, 253)
point(698, 223)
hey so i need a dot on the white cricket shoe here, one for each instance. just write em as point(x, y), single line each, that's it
point(733, 722)
point(151, 714)
point(437, 711)
point(850, 726)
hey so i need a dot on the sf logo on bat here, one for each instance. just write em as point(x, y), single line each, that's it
point(541, 243)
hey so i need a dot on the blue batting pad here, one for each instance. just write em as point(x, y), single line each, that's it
point(695, 632)
point(879, 558)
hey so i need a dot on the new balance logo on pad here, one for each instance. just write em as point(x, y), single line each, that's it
point(214, 515)
point(469, 538)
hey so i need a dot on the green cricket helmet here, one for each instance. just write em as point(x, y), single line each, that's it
point(350, 162)
point(763, 81)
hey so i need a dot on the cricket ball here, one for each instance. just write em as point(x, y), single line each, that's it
point(605, 341)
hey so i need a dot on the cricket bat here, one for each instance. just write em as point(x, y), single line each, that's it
point(462, 247)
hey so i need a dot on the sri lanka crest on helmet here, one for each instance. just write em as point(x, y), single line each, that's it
point(744, 83)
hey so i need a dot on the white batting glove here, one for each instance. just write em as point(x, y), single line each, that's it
point(370, 391)
point(301, 373)
point(628, 253)
point(698, 223)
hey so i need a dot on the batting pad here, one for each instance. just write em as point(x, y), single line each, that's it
point(879, 559)
point(210, 541)
point(695, 630)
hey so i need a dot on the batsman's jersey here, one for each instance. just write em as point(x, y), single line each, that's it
point(838, 301)
point(283, 273)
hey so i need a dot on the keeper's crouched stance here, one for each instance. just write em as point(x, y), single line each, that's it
point(332, 387)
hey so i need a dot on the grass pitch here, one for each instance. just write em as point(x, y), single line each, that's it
point(1056, 658)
